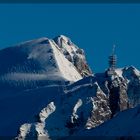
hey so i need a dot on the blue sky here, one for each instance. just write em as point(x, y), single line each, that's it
point(93, 27)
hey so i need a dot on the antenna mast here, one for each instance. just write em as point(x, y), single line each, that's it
point(112, 62)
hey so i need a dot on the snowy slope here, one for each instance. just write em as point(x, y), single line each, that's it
point(86, 109)
point(123, 125)
point(58, 110)
point(78, 108)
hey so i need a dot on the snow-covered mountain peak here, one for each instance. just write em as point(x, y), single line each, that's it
point(127, 72)
point(63, 39)
point(48, 96)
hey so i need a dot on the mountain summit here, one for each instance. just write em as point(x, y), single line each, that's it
point(45, 60)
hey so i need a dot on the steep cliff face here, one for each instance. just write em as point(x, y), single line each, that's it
point(118, 98)
point(73, 54)
point(133, 77)
point(123, 88)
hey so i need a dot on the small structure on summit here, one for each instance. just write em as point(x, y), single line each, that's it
point(112, 63)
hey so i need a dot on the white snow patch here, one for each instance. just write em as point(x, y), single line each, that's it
point(74, 115)
point(66, 68)
point(47, 111)
point(119, 72)
point(25, 130)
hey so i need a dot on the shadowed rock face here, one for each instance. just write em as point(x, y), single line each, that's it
point(118, 98)
point(123, 88)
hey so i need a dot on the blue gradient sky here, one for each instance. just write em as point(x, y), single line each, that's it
point(93, 27)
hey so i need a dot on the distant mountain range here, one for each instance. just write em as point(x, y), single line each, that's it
point(47, 90)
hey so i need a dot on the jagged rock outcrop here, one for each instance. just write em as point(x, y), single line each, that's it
point(84, 107)
point(122, 88)
point(37, 130)
point(133, 77)
point(73, 54)
point(118, 98)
